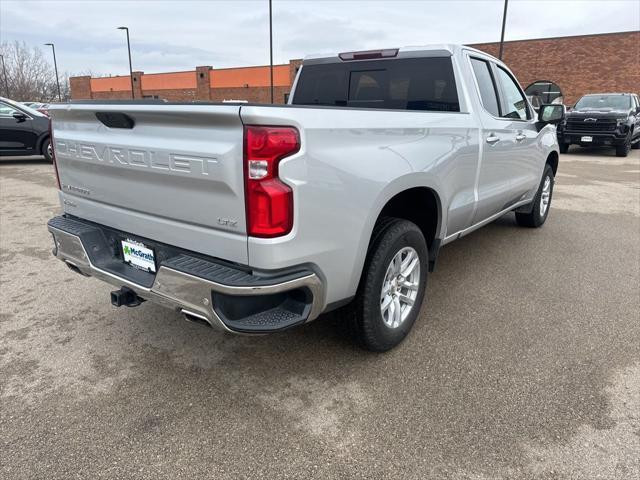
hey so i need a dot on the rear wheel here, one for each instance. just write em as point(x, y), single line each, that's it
point(47, 150)
point(541, 202)
point(392, 286)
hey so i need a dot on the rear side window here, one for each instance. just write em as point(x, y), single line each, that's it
point(402, 84)
point(486, 85)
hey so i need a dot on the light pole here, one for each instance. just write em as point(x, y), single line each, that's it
point(271, 50)
point(4, 72)
point(504, 22)
point(130, 68)
point(55, 66)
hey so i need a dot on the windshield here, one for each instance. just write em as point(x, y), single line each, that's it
point(614, 102)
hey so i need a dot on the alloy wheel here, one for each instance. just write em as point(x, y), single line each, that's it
point(545, 196)
point(400, 287)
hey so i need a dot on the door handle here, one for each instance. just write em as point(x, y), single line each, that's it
point(520, 137)
point(491, 139)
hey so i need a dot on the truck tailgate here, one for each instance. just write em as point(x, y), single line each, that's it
point(172, 173)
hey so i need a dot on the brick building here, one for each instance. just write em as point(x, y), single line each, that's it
point(608, 62)
point(203, 84)
point(573, 65)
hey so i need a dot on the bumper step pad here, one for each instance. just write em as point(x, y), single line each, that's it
point(227, 275)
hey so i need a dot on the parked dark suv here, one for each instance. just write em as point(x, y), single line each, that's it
point(23, 131)
point(607, 119)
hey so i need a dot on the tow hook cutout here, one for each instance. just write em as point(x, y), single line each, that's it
point(125, 296)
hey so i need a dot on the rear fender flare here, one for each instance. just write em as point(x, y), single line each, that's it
point(399, 185)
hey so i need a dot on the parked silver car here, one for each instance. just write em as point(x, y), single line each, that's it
point(38, 106)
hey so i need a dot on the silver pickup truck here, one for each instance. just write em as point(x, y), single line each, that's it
point(257, 218)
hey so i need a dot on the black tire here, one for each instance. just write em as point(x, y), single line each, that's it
point(364, 317)
point(535, 218)
point(623, 150)
point(46, 150)
point(636, 146)
point(564, 147)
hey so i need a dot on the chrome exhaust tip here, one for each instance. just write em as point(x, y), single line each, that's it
point(196, 318)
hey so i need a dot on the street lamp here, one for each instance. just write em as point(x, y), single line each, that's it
point(504, 21)
point(130, 68)
point(55, 66)
point(4, 71)
point(271, 50)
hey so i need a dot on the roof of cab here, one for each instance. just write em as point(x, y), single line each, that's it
point(435, 50)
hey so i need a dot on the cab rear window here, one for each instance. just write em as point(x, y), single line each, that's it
point(398, 84)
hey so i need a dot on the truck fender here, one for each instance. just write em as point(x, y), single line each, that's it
point(393, 188)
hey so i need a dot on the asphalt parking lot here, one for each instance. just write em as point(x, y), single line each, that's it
point(525, 362)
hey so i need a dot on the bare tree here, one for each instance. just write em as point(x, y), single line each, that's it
point(30, 76)
point(65, 87)
point(92, 74)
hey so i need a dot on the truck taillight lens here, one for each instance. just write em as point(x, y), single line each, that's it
point(53, 155)
point(269, 201)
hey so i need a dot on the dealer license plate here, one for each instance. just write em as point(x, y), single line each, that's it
point(139, 256)
point(586, 139)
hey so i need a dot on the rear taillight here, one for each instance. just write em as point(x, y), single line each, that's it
point(53, 155)
point(269, 201)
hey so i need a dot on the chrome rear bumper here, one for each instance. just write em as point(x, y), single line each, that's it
point(180, 291)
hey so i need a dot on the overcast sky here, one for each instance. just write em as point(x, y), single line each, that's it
point(176, 35)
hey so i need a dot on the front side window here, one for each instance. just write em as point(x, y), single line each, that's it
point(401, 84)
point(514, 104)
point(486, 86)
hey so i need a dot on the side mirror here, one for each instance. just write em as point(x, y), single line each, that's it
point(19, 116)
point(551, 113)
